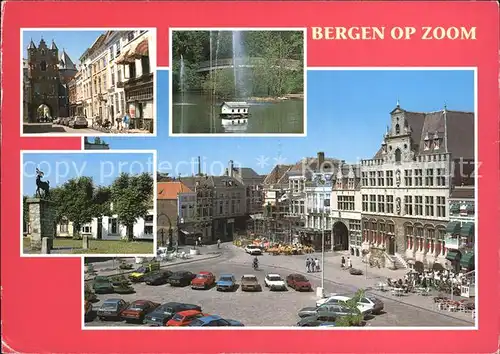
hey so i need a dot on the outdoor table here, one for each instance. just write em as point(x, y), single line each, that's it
point(397, 291)
point(381, 286)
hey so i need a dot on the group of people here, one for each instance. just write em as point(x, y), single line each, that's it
point(312, 265)
point(345, 264)
point(123, 123)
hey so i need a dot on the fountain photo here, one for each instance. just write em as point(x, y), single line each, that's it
point(237, 82)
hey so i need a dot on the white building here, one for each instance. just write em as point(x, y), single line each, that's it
point(116, 93)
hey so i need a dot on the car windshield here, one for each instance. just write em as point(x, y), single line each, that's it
point(141, 270)
point(137, 307)
point(250, 278)
point(252, 246)
point(177, 317)
point(100, 279)
point(274, 278)
point(109, 306)
point(300, 278)
point(202, 276)
point(226, 279)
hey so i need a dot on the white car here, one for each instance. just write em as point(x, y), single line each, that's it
point(274, 282)
point(364, 308)
point(253, 250)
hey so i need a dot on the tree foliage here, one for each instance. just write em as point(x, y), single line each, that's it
point(132, 198)
point(355, 319)
point(270, 78)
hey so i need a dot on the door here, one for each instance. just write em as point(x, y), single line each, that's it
point(392, 246)
point(99, 228)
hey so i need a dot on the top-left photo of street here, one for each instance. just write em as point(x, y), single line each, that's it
point(88, 82)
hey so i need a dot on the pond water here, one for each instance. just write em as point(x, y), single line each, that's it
point(199, 114)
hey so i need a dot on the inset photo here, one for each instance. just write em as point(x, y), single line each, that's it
point(88, 82)
point(238, 81)
point(100, 203)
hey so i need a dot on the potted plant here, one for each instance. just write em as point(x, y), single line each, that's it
point(355, 319)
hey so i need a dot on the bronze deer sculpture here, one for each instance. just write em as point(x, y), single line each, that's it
point(41, 185)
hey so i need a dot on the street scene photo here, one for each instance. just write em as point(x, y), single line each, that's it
point(238, 81)
point(88, 203)
point(88, 82)
point(369, 221)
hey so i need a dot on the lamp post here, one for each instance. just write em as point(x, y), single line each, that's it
point(321, 290)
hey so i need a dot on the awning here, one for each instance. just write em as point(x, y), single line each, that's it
point(453, 255)
point(189, 231)
point(140, 50)
point(453, 227)
point(455, 208)
point(467, 260)
point(125, 58)
point(467, 229)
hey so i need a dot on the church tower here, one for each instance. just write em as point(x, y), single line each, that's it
point(43, 76)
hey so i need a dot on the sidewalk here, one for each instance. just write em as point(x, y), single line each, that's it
point(343, 279)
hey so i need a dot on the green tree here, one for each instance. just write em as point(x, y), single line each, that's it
point(355, 319)
point(132, 198)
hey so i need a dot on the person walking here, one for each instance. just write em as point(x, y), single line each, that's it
point(218, 243)
point(308, 265)
point(342, 262)
point(126, 121)
point(316, 263)
point(349, 264)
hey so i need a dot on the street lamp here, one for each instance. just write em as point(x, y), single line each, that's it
point(321, 291)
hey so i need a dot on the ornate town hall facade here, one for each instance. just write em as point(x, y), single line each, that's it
point(406, 186)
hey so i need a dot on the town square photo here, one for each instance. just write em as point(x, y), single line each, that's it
point(238, 81)
point(76, 202)
point(369, 221)
point(88, 81)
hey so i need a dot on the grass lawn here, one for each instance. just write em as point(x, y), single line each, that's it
point(70, 246)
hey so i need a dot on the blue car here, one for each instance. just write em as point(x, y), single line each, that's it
point(226, 282)
point(214, 321)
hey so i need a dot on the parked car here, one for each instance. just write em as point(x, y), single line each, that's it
point(274, 282)
point(298, 282)
point(226, 282)
point(329, 310)
point(138, 275)
point(102, 285)
point(160, 315)
point(158, 277)
point(89, 293)
point(316, 321)
point(111, 309)
point(203, 280)
point(71, 122)
point(181, 278)
point(250, 283)
point(67, 120)
point(253, 250)
point(184, 318)
point(214, 321)
point(377, 306)
point(80, 122)
point(57, 121)
point(342, 299)
point(137, 310)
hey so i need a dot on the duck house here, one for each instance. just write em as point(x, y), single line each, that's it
point(234, 113)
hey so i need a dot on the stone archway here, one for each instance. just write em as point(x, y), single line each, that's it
point(340, 236)
point(165, 230)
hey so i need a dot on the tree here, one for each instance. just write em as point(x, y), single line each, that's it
point(75, 201)
point(355, 319)
point(132, 198)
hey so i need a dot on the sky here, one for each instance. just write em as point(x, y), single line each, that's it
point(73, 42)
point(61, 167)
point(348, 112)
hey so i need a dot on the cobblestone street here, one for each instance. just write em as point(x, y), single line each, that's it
point(280, 308)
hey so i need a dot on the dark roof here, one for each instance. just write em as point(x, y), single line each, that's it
point(190, 182)
point(221, 181)
point(462, 193)
point(455, 128)
point(246, 172)
point(277, 173)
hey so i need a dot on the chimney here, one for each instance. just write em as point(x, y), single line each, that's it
point(199, 166)
point(321, 159)
point(230, 168)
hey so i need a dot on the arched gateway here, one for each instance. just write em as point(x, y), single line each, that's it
point(340, 236)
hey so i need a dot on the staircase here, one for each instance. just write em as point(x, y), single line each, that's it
point(399, 261)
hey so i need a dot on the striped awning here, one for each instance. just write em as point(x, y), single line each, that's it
point(467, 229)
point(453, 227)
point(141, 49)
point(125, 58)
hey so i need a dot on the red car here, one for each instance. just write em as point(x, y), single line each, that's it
point(203, 280)
point(184, 318)
point(298, 282)
point(138, 309)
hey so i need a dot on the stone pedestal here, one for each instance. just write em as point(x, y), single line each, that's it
point(42, 220)
point(46, 245)
point(85, 242)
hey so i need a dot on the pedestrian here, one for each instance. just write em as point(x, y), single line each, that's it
point(316, 263)
point(349, 264)
point(218, 243)
point(342, 262)
point(308, 265)
point(126, 121)
point(199, 241)
point(119, 123)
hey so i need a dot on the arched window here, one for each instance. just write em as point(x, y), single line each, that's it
point(43, 65)
point(397, 128)
point(397, 155)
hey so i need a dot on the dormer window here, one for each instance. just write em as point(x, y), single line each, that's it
point(436, 141)
point(384, 147)
point(397, 129)
point(427, 143)
point(339, 183)
point(350, 183)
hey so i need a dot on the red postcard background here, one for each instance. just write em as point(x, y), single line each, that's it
point(41, 298)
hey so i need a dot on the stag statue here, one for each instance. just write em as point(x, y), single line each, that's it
point(41, 185)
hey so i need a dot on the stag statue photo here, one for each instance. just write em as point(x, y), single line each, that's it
point(41, 185)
